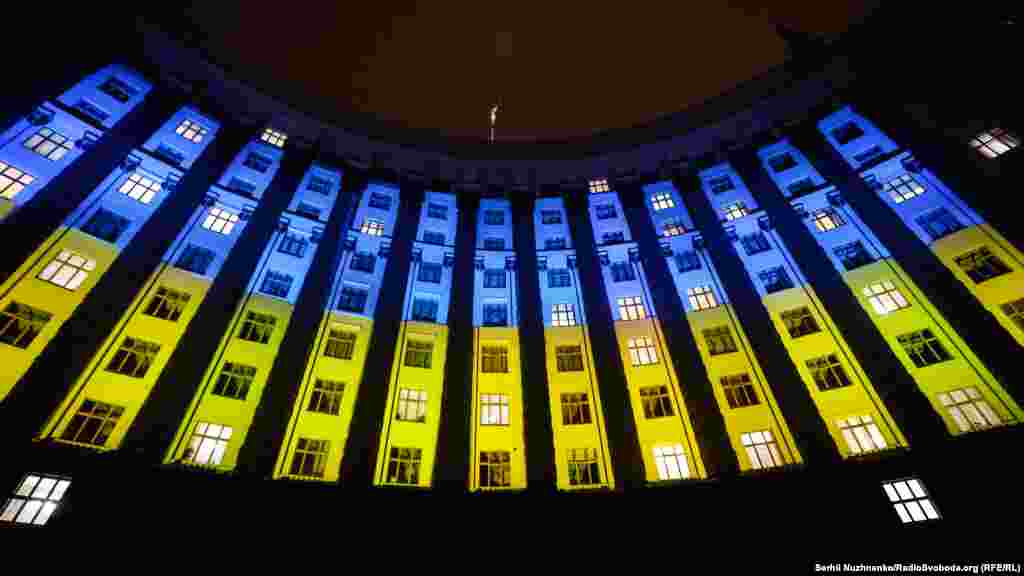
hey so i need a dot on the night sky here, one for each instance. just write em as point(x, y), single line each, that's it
point(562, 70)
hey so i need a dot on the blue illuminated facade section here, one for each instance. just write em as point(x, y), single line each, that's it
point(428, 292)
point(558, 277)
point(356, 287)
point(619, 255)
point(495, 273)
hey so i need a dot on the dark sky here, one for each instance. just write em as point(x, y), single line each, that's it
point(561, 69)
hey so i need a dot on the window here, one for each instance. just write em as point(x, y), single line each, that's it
point(418, 353)
point(981, 265)
point(319, 185)
point(494, 217)
point(195, 259)
point(563, 315)
point(379, 200)
point(117, 89)
point(363, 262)
point(169, 154)
point(800, 186)
point(868, 155)
point(672, 228)
point(994, 142)
point(494, 410)
point(92, 423)
point(433, 237)
point(939, 223)
point(274, 138)
point(671, 462)
point(20, 324)
point(106, 225)
point(220, 220)
point(91, 110)
point(827, 219)
point(495, 314)
point(861, 434)
point(340, 344)
point(735, 211)
point(310, 458)
point(257, 327)
point(424, 309)
point(656, 402)
point(241, 185)
point(494, 359)
point(35, 500)
point(969, 409)
point(755, 243)
point(352, 299)
point(605, 211)
point(739, 391)
point(569, 358)
point(308, 210)
point(622, 272)
point(719, 340)
point(276, 284)
point(49, 144)
point(923, 348)
point(13, 180)
point(631, 308)
point(495, 470)
point(559, 278)
point(67, 270)
point(575, 409)
point(209, 442)
point(293, 245)
point(1014, 310)
point(853, 255)
point(133, 358)
point(884, 297)
point(720, 184)
point(610, 237)
point(550, 217)
point(782, 162)
point(494, 278)
point(762, 450)
point(903, 188)
point(701, 298)
point(847, 133)
point(140, 188)
point(800, 322)
point(494, 243)
point(583, 466)
point(234, 381)
point(429, 272)
point(404, 466)
point(687, 260)
point(775, 280)
point(556, 243)
point(257, 162)
point(191, 131)
point(599, 186)
point(412, 405)
point(827, 372)
point(439, 211)
point(326, 397)
point(166, 304)
point(641, 351)
point(910, 500)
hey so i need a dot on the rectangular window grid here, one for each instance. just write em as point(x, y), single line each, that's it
point(910, 500)
point(939, 223)
point(656, 402)
point(319, 185)
point(495, 314)
point(981, 265)
point(68, 270)
point(775, 279)
point(584, 468)
point(739, 391)
point(494, 278)
point(1014, 310)
point(701, 298)
point(563, 315)
point(433, 237)
point(106, 225)
point(719, 340)
point(827, 372)
point(923, 348)
point(257, 327)
point(209, 442)
point(611, 237)
point(418, 353)
point(340, 344)
point(274, 138)
point(558, 278)
point(800, 322)
point(687, 260)
point(494, 359)
point(167, 304)
point(673, 228)
point(569, 358)
point(372, 227)
point(429, 272)
point(755, 243)
point(969, 409)
point(575, 409)
point(13, 180)
point(424, 309)
point(363, 262)
point(494, 410)
point(597, 186)
point(861, 434)
point(762, 449)
point(412, 405)
point(631, 308)
point(139, 187)
point(641, 351)
point(49, 144)
point(495, 470)
point(293, 245)
point(885, 297)
point(605, 211)
point(191, 131)
point(827, 219)
point(995, 142)
point(662, 201)
point(234, 381)
point(380, 201)
point(903, 188)
point(735, 211)
point(220, 220)
point(195, 259)
point(133, 358)
point(853, 255)
point(671, 462)
point(404, 466)
point(92, 423)
point(35, 500)
point(310, 458)
point(20, 324)
point(326, 397)
point(276, 284)
point(352, 299)
point(622, 272)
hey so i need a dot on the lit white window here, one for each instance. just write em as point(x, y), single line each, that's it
point(412, 405)
point(563, 315)
point(661, 201)
point(372, 227)
point(631, 308)
point(494, 409)
point(209, 442)
point(969, 409)
point(220, 220)
point(671, 462)
point(910, 500)
point(826, 220)
point(861, 434)
point(734, 211)
point(642, 352)
point(274, 138)
point(673, 228)
point(884, 297)
point(140, 188)
point(12, 180)
point(903, 188)
point(35, 500)
point(191, 131)
point(994, 142)
point(599, 186)
point(49, 144)
point(762, 450)
point(701, 297)
point(68, 270)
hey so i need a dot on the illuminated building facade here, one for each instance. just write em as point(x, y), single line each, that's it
point(784, 295)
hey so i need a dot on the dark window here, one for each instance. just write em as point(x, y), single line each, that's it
point(166, 304)
point(242, 186)
point(106, 225)
point(404, 466)
point(326, 397)
point(550, 217)
point(687, 260)
point(622, 272)
point(853, 255)
point(800, 322)
point(310, 458)
point(381, 201)
point(133, 358)
point(352, 299)
point(494, 217)
point(556, 243)
point(868, 155)
point(609, 237)
point(720, 184)
point(195, 259)
point(172, 155)
point(605, 211)
point(430, 272)
point(494, 359)
point(439, 211)
point(363, 262)
point(234, 381)
point(494, 243)
point(93, 423)
point(575, 409)
point(775, 279)
point(424, 309)
point(91, 110)
point(828, 373)
point(20, 324)
point(293, 245)
point(117, 89)
point(433, 237)
point(923, 348)
point(739, 391)
point(755, 243)
point(569, 358)
point(320, 185)
point(847, 132)
point(558, 278)
point(418, 354)
point(656, 402)
point(495, 469)
point(1014, 310)
point(719, 340)
point(494, 278)
point(308, 210)
point(276, 284)
point(981, 265)
point(340, 344)
point(495, 314)
point(584, 469)
point(801, 186)
point(939, 223)
point(782, 162)
point(257, 327)
point(257, 162)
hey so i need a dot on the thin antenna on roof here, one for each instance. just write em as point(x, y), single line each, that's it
point(494, 118)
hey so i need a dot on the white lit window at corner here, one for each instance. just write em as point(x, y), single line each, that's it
point(735, 211)
point(140, 188)
point(597, 186)
point(35, 500)
point(861, 434)
point(994, 142)
point(191, 131)
point(220, 220)
point(671, 462)
point(209, 442)
point(911, 500)
point(372, 227)
point(12, 180)
point(274, 138)
point(885, 297)
point(661, 201)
